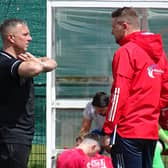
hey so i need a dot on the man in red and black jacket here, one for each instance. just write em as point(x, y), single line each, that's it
point(138, 68)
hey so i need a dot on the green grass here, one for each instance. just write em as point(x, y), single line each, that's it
point(37, 157)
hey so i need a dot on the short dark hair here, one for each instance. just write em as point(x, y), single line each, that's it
point(127, 14)
point(88, 135)
point(92, 136)
point(101, 99)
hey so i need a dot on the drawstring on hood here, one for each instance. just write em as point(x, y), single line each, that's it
point(151, 43)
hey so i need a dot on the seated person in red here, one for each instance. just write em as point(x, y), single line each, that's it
point(97, 161)
point(78, 156)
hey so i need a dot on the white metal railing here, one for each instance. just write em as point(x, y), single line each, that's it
point(112, 4)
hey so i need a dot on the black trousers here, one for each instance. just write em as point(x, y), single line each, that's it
point(14, 155)
point(133, 153)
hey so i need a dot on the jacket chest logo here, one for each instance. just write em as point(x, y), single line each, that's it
point(153, 71)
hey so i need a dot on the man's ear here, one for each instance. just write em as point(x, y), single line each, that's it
point(11, 37)
point(93, 147)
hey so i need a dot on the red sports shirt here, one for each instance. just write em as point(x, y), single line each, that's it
point(72, 158)
point(99, 161)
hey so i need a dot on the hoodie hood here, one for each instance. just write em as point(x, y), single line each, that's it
point(151, 43)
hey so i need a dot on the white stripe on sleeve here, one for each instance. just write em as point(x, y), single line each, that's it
point(114, 104)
